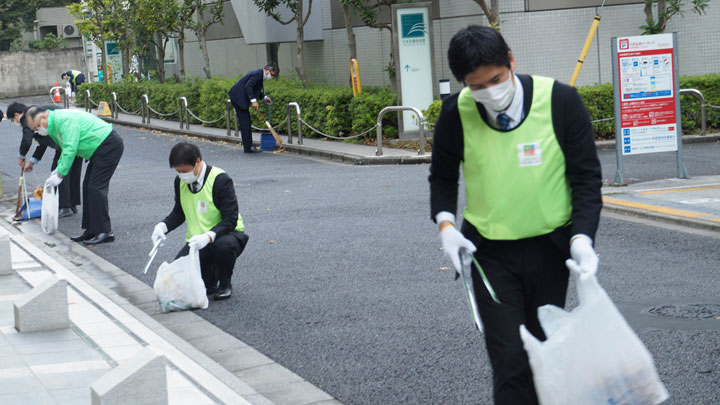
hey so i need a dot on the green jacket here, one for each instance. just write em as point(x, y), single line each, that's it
point(78, 133)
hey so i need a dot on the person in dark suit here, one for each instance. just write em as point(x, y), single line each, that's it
point(69, 189)
point(245, 93)
point(205, 200)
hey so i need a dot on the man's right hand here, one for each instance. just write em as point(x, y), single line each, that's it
point(255, 104)
point(159, 232)
point(28, 166)
point(452, 241)
point(21, 162)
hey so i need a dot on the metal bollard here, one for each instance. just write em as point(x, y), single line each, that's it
point(299, 123)
point(145, 108)
point(183, 109)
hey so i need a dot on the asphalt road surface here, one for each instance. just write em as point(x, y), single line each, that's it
point(344, 283)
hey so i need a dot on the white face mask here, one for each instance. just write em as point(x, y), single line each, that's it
point(42, 131)
point(497, 97)
point(267, 76)
point(188, 177)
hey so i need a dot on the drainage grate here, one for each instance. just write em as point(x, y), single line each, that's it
point(686, 311)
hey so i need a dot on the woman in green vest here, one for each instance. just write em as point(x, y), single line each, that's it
point(205, 200)
point(532, 185)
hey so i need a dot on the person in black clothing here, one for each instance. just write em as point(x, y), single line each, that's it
point(533, 201)
point(205, 200)
point(69, 189)
point(245, 93)
point(75, 77)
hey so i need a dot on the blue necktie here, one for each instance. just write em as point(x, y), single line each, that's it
point(503, 121)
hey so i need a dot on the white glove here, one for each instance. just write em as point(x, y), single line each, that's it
point(452, 241)
point(54, 180)
point(584, 259)
point(159, 232)
point(200, 241)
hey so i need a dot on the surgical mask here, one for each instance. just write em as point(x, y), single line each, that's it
point(188, 177)
point(267, 76)
point(42, 131)
point(497, 97)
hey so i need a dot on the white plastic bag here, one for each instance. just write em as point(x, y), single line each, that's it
point(591, 355)
point(49, 213)
point(179, 285)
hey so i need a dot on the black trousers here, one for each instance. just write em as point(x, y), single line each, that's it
point(245, 126)
point(217, 259)
point(69, 189)
point(80, 79)
point(525, 275)
point(96, 214)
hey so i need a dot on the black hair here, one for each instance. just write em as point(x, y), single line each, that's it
point(1, 115)
point(16, 108)
point(184, 153)
point(63, 75)
point(475, 46)
point(273, 68)
point(34, 111)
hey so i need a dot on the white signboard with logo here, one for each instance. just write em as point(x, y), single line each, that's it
point(414, 68)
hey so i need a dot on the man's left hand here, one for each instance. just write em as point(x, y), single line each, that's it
point(268, 100)
point(584, 259)
point(28, 166)
point(54, 180)
point(200, 241)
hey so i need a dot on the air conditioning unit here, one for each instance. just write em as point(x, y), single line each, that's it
point(70, 31)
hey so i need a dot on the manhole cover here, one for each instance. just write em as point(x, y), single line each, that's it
point(687, 311)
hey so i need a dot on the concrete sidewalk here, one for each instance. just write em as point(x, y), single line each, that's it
point(113, 316)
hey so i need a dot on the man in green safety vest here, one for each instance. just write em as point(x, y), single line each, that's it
point(532, 187)
point(205, 200)
point(75, 77)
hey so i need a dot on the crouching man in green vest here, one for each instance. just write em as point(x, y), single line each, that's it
point(532, 187)
point(205, 200)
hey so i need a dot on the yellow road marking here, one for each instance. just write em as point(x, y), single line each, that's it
point(675, 190)
point(715, 219)
point(656, 208)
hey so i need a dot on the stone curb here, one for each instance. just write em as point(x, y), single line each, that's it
point(658, 216)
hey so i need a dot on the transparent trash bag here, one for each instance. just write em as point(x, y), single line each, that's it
point(179, 285)
point(49, 212)
point(591, 355)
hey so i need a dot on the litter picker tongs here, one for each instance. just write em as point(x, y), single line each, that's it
point(466, 261)
point(153, 253)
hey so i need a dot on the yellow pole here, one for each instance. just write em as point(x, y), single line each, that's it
point(586, 47)
point(355, 77)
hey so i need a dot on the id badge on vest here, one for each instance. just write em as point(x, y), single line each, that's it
point(202, 207)
point(529, 154)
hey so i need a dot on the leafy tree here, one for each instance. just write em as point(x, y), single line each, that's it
point(92, 22)
point(155, 22)
point(665, 10)
point(17, 16)
point(347, 14)
point(51, 41)
point(270, 7)
point(207, 14)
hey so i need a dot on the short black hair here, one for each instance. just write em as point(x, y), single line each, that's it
point(475, 46)
point(33, 111)
point(273, 68)
point(62, 75)
point(16, 108)
point(184, 154)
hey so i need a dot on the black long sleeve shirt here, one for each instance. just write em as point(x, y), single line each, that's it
point(573, 129)
point(224, 198)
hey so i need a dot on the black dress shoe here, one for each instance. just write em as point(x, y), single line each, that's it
point(102, 237)
point(253, 150)
point(74, 209)
point(223, 294)
point(65, 212)
point(81, 238)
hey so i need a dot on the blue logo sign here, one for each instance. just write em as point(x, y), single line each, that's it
point(626, 131)
point(413, 25)
point(627, 149)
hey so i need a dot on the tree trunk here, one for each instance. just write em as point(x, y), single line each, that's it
point(160, 59)
point(299, 42)
point(103, 62)
point(125, 62)
point(494, 17)
point(203, 44)
point(392, 71)
point(181, 55)
point(352, 45)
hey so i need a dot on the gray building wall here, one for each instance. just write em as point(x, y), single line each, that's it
point(24, 73)
point(543, 42)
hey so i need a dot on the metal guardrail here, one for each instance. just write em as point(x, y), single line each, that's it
point(229, 107)
point(183, 113)
point(145, 108)
point(289, 125)
point(698, 94)
point(421, 126)
point(113, 105)
point(65, 99)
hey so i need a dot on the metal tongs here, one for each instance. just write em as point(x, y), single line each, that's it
point(466, 261)
point(153, 253)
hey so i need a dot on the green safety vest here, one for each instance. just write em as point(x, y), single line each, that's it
point(201, 214)
point(78, 133)
point(515, 183)
point(75, 74)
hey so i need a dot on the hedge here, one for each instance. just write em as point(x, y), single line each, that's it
point(598, 100)
point(331, 110)
point(334, 110)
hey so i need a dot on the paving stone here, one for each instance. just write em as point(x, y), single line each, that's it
point(45, 307)
point(5, 255)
